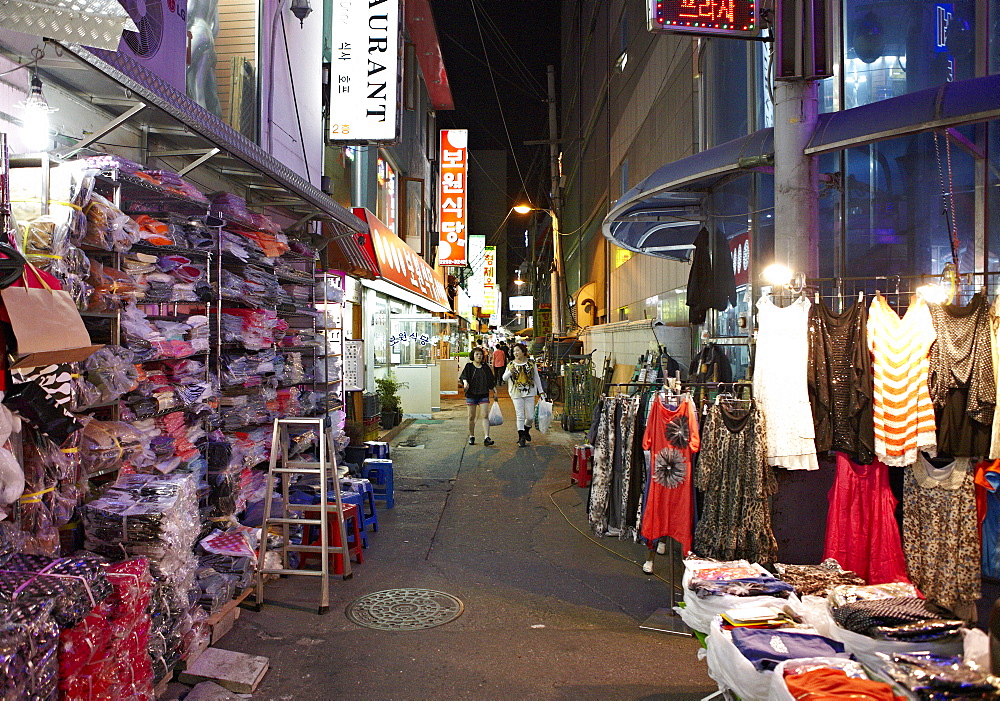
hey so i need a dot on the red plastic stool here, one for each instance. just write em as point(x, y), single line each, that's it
point(351, 521)
point(583, 467)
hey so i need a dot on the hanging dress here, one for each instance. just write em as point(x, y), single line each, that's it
point(780, 383)
point(995, 354)
point(671, 438)
point(904, 414)
point(840, 381)
point(738, 485)
point(961, 381)
point(601, 484)
point(861, 529)
point(939, 531)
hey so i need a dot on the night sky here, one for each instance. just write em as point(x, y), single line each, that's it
point(521, 38)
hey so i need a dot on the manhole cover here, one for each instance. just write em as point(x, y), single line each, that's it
point(405, 609)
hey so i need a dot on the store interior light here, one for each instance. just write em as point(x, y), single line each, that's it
point(934, 293)
point(777, 274)
point(35, 117)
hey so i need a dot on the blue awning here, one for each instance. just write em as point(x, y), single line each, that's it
point(661, 215)
point(948, 105)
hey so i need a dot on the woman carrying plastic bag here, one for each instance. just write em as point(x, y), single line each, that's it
point(523, 385)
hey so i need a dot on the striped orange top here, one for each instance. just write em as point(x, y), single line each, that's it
point(904, 414)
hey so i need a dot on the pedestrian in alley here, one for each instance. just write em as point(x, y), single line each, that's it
point(523, 385)
point(478, 381)
point(499, 361)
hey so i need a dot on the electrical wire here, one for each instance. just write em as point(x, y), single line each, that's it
point(496, 92)
point(519, 86)
point(592, 540)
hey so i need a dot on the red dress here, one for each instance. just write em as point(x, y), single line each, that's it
point(671, 438)
point(861, 529)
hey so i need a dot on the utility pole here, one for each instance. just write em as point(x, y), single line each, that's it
point(555, 196)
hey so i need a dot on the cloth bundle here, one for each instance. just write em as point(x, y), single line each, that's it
point(74, 584)
point(930, 676)
point(29, 641)
point(818, 579)
point(896, 618)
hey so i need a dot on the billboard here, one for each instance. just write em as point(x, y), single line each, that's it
point(453, 197)
point(734, 18)
point(491, 300)
point(364, 70)
point(521, 303)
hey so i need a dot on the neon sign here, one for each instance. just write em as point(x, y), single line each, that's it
point(736, 18)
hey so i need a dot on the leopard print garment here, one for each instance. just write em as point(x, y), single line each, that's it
point(940, 538)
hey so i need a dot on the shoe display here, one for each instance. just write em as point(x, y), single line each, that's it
point(472, 440)
point(488, 441)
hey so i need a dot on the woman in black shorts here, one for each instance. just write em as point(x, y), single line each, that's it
point(478, 380)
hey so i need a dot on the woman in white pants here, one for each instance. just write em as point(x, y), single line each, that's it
point(523, 384)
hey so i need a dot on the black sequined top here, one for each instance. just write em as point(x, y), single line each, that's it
point(961, 380)
point(841, 381)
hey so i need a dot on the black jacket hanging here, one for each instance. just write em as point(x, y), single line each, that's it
point(712, 283)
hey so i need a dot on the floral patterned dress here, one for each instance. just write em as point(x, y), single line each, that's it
point(671, 438)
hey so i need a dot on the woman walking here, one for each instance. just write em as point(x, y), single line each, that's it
point(523, 384)
point(478, 380)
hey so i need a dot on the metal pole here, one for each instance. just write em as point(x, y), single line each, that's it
point(796, 178)
point(558, 327)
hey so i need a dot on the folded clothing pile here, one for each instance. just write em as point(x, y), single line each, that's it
point(817, 580)
point(156, 517)
point(74, 584)
point(929, 676)
point(251, 369)
point(106, 656)
point(112, 289)
point(905, 619)
point(29, 641)
point(737, 581)
point(254, 328)
point(108, 228)
point(232, 208)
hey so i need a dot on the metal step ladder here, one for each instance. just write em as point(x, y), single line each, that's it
point(325, 468)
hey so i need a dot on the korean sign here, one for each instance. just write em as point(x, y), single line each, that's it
point(364, 68)
point(490, 280)
point(738, 18)
point(453, 197)
point(400, 264)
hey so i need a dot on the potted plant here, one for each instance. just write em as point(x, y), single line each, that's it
point(388, 391)
point(356, 451)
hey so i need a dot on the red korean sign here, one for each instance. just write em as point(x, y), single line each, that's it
point(453, 195)
point(739, 248)
point(737, 18)
point(397, 262)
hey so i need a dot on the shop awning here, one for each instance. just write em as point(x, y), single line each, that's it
point(181, 134)
point(661, 215)
point(945, 106)
point(401, 271)
point(91, 22)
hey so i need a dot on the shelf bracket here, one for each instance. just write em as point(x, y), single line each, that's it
point(105, 130)
point(194, 164)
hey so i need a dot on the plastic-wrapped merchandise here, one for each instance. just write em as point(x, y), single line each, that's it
point(108, 444)
point(232, 208)
point(29, 639)
point(112, 289)
point(111, 371)
point(847, 668)
point(930, 676)
point(698, 612)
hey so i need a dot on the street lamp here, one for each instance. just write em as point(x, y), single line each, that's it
point(558, 298)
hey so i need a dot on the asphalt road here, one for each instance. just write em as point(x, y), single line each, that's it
point(548, 614)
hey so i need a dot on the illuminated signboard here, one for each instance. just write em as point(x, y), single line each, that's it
point(453, 197)
point(737, 18)
point(490, 300)
point(364, 70)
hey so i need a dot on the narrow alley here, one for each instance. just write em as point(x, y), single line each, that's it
point(548, 613)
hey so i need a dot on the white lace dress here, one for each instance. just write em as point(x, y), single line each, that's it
point(780, 385)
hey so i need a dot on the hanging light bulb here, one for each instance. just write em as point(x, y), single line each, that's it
point(35, 118)
point(301, 9)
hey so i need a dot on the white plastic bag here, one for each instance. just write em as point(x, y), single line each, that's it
point(495, 417)
point(543, 415)
point(779, 690)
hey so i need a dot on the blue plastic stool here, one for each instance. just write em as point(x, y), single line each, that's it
point(378, 449)
point(379, 472)
point(358, 500)
point(351, 485)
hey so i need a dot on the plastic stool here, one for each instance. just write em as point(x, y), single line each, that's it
point(354, 538)
point(583, 468)
point(367, 491)
point(378, 449)
point(357, 499)
point(379, 473)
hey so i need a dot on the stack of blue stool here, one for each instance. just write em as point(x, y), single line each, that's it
point(377, 449)
point(362, 493)
point(379, 472)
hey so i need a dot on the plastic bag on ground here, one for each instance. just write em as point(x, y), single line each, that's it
point(496, 416)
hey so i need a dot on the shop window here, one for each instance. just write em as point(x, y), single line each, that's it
point(894, 222)
point(728, 77)
point(993, 198)
point(895, 48)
